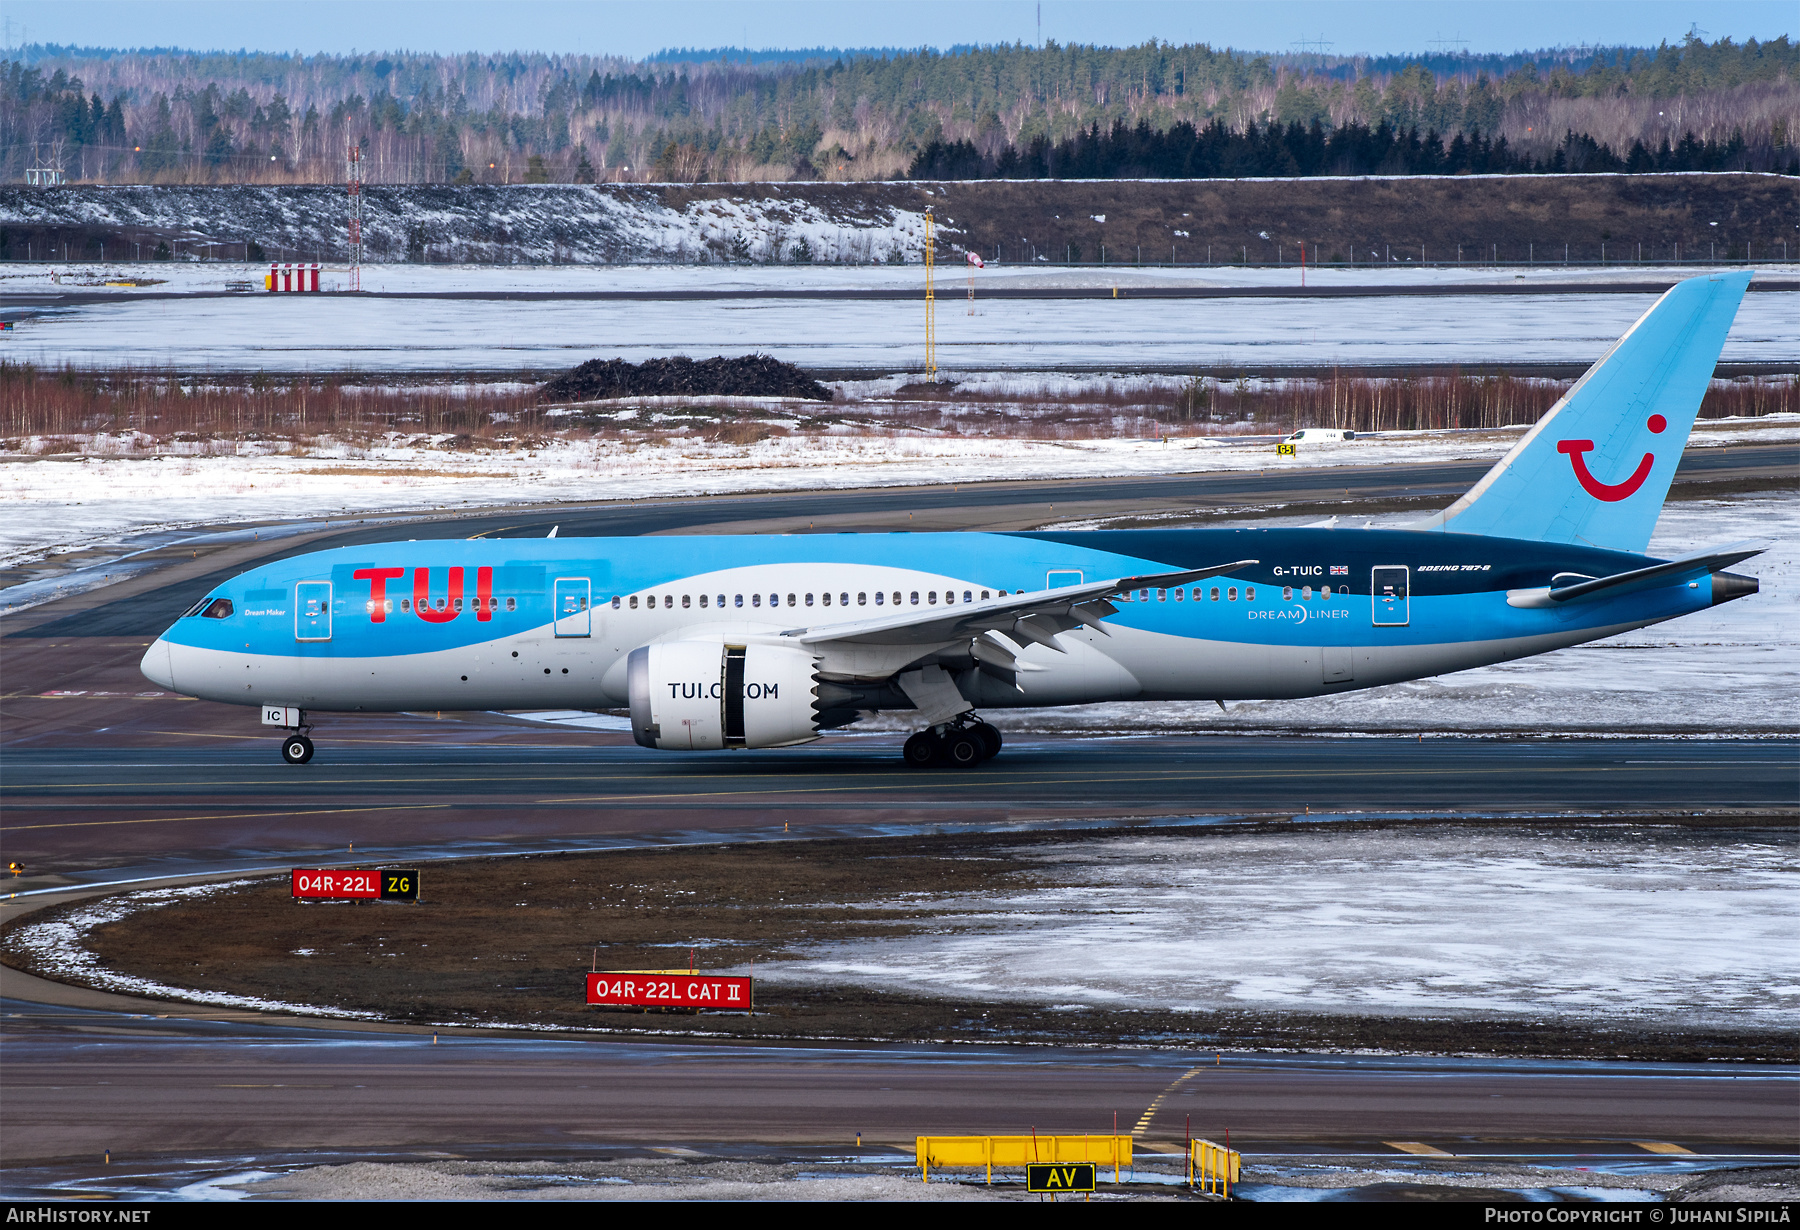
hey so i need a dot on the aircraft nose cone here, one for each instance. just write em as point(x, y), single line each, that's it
point(157, 667)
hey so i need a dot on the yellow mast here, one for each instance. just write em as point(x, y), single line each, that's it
point(930, 306)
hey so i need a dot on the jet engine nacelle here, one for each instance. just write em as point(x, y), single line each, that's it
point(704, 695)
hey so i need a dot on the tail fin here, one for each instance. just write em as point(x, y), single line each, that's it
point(1596, 468)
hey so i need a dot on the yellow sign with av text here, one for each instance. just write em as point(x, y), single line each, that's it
point(1060, 1177)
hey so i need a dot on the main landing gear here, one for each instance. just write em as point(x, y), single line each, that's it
point(296, 749)
point(960, 745)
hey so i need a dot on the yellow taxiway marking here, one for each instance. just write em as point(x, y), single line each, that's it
point(1413, 1146)
point(1661, 1146)
point(1143, 1123)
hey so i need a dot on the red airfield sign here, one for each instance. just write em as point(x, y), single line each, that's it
point(655, 989)
point(367, 884)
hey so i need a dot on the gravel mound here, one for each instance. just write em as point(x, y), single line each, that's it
point(753, 375)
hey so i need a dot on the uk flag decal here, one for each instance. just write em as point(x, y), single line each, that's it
point(1340, 570)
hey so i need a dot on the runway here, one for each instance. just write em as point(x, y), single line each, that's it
point(405, 787)
point(85, 1079)
point(1648, 285)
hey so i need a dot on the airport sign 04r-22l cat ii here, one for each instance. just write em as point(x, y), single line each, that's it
point(764, 641)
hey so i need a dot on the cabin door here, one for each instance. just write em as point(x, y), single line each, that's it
point(1388, 601)
point(571, 599)
point(312, 611)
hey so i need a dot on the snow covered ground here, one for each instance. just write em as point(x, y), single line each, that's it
point(1649, 927)
point(64, 501)
point(306, 333)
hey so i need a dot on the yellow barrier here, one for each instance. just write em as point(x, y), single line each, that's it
point(967, 1152)
point(1213, 1168)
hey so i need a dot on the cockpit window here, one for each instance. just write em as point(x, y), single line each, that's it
point(219, 608)
point(195, 609)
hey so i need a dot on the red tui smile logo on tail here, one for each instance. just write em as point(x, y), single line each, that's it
point(1610, 492)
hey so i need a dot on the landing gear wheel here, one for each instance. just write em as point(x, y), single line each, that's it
point(921, 750)
point(964, 749)
point(296, 749)
point(990, 739)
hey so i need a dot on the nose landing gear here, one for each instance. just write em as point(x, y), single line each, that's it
point(296, 749)
point(960, 745)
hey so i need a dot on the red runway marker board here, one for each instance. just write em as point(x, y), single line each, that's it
point(654, 989)
point(368, 884)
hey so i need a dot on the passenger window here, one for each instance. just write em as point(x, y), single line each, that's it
point(1324, 592)
point(825, 598)
point(878, 597)
point(722, 601)
point(1250, 594)
point(984, 595)
point(459, 604)
point(740, 600)
point(897, 598)
point(1287, 593)
point(1231, 594)
point(668, 601)
point(1180, 594)
point(808, 600)
point(755, 599)
point(406, 604)
point(512, 604)
point(686, 602)
point(616, 603)
point(862, 599)
point(1306, 593)
point(930, 598)
point(1162, 595)
point(703, 600)
point(633, 602)
point(843, 599)
point(790, 600)
point(968, 595)
point(220, 608)
point(915, 597)
point(1215, 593)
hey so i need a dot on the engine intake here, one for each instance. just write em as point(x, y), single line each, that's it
point(705, 695)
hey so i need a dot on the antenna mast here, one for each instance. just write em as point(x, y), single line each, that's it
point(930, 306)
point(353, 180)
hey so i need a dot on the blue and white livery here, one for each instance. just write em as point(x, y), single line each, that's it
point(751, 642)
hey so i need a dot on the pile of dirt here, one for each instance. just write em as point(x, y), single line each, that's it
point(753, 375)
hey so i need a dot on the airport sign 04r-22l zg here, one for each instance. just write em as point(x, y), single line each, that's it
point(361, 884)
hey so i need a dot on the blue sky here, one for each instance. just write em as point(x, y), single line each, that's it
point(640, 27)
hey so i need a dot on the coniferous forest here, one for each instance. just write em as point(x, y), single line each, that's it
point(1007, 112)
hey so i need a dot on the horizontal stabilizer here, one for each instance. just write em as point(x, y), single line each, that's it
point(1695, 564)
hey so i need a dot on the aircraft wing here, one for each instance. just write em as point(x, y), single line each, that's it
point(1036, 616)
point(1706, 560)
